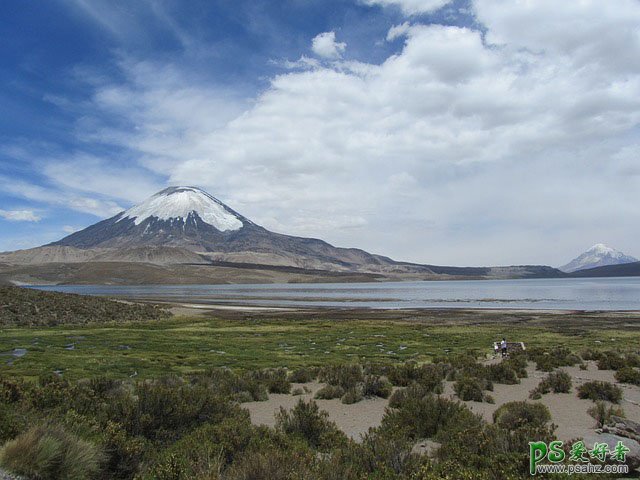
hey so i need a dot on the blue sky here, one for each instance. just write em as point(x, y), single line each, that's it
point(457, 132)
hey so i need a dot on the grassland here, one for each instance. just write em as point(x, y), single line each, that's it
point(243, 340)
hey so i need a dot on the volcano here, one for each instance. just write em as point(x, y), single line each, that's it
point(185, 235)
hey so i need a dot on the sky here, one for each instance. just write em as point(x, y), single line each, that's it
point(462, 132)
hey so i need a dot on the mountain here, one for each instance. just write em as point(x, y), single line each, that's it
point(622, 270)
point(188, 219)
point(597, 256)
point(185, 235)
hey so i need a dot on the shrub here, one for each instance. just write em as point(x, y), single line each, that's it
point(203, 453)
point(602, 412)
point(600, 391)
point(428, 416)
point(468, 388)
point(548, 360)
point(329, 392)
point(414, 391)
point(226, 382)
point(166, 408)
point(345, 376)
point(557, 382)
point(275, 379)
point(49, 452)
point(353, 395)
point(11, 422)
point(402, 375)
point(590, 354)
point(628, 375)
point(611, 361)
point(374, 386)
point(513, 415)
point(271, 464)
point(632, 360)
point(502, 373)
point(308, 422)
point(297, 391)
point(518, 362)
point(303, 375)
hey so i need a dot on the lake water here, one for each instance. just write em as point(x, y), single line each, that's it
point(553, 294)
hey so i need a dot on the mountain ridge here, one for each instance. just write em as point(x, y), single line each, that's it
point(185, 230)
point(599, 255)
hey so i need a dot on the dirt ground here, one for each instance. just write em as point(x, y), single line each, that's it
point(568, 412)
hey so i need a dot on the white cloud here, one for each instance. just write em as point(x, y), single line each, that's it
point(411, 7)
point(398, 31)
point(325, 45)
point(52, 196)
point(20, 215)
point(455, 150)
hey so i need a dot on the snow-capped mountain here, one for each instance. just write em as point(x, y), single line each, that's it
point(185, 235)
point(188, 218)
point(599, 255)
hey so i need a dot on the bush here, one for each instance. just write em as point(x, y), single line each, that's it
point(401, 395)
point(548, 360)
point(374, 386)
point(271, 464)
point(467, 388)
point(428, 416)
point(275, 379)
point(303, 375)
point(245, 387)
point(49, 452)
point(308, 422)
point(353, 395)
point(203, 453)
point(600, 391)
point(590, 354)
point(329, 392)
point(518, 362)
point(514, 415)
point(556, 382)
point(628, 375)
point(165, 409)
point(602, 413)
point(345, 376)
point(503, 373)
point(611, 361)
point(632, 360)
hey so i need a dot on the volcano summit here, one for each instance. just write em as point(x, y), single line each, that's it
point(185, 235)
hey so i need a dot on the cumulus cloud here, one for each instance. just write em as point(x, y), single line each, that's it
point(411, 7)
point(325, 45)
point(464, 147)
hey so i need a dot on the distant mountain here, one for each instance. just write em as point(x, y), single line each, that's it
point(189, 236)
point(599, 255)
point(622, 270)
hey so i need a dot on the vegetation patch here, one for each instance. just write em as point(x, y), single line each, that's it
point(598, 390)
point(25, 306)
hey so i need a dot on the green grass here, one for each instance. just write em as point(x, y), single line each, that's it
point(190, 344)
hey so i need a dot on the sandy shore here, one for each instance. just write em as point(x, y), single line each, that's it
point(568, 412)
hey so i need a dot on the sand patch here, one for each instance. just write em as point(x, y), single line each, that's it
point(568, 411)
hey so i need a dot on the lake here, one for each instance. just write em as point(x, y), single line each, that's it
point(551, 294)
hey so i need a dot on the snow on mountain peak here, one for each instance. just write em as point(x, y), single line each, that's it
point(602, 248)
point(179, 203)
point(599, 255)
